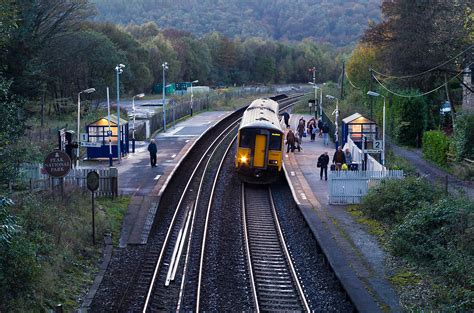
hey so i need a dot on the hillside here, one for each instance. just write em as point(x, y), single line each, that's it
point(339, 22)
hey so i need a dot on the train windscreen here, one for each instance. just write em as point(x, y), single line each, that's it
point(275, 142)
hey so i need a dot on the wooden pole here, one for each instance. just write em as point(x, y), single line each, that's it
point(93, 219)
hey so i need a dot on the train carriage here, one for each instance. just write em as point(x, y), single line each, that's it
point(260, 143)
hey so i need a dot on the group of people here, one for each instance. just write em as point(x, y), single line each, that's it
point(341, 160)
point(313, 127)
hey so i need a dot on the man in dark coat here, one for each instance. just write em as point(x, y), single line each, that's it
point(290, 141)
point(153, 150)
point(323, 162)
point(286, 118)
point(339, 158)
point(320, 127)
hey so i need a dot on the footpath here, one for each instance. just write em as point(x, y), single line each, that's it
point(431, 172)
point(355, 256)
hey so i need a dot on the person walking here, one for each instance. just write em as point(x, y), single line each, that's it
point(290, 141)
point(323, 162)
point(339, 158)
point(300, 129)
point(320, 127)
point(153, 150)
point(286, 118)
point(326, 134)
point(348, 156)
point(312, 129)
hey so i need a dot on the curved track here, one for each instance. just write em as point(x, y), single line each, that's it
point(274, 280)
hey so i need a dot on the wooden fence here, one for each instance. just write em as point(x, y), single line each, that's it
point(348, 187)
point(36, 179)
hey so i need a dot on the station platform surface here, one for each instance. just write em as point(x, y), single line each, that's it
point(145, 184)
point(355, 255)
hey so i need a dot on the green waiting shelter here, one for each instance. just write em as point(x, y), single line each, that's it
point(98, 137)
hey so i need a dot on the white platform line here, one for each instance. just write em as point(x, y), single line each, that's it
point(292, 173)
point(157, 177)
point(173, 156)
point(303, 196)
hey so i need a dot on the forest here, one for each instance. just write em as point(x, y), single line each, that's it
point(338, 22)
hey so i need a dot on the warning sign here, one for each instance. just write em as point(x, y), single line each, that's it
point(57, 164)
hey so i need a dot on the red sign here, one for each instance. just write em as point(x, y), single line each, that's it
point(57, 164)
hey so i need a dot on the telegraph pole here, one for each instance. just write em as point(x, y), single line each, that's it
point(342, 80)
point(370, 98)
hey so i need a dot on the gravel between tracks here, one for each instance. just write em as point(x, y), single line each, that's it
point(321, 287)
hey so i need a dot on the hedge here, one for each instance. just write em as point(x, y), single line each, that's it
point(435, 146)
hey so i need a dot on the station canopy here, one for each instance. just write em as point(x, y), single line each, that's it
point(105, 121)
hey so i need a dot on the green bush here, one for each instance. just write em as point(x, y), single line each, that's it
point(463, 137)
point(435, 146)
point(439, 238)
point(393, 199)
point(410, 119)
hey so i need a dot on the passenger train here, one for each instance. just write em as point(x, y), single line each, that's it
point(260, 143)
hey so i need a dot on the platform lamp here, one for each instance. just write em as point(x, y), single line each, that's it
point(376, 94)
point(316, 88)
point(119, 71)
point(165, 68)
point(140, 95)
point(192, 95)
point(90, 90)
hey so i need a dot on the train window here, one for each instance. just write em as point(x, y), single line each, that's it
point(246, 138)
point(275, 142)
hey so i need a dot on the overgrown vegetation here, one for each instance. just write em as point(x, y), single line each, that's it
point(463, 137)
point(435, 146)
point(46, 253)
point(433, 233)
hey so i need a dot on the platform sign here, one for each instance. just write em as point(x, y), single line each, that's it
point(91, 144)
point(93, 181)
point(378, 144)
point(372, 150)
point(57, 164)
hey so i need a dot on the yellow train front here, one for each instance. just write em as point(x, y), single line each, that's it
point(260, 143)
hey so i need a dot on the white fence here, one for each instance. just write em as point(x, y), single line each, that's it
point(358, 157)
point(33, 175)
point(348, 187)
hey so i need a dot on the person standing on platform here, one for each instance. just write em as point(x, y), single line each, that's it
point(320, 127)
point(348, 156)
point(323, 162)
point(153, 150)
point(326, 134)
point(290, 141)
point(300, 129)
point(286, 118)
point(339, 158)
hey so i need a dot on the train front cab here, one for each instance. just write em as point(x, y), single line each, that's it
point(259, 154)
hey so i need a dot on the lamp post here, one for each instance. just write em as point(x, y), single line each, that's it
point(140, 95)
point(336, 113)
point(165, 68)
point(376, 94)
point(192, 95)
point(119, 71)
point(315, 96)
point(90, 90)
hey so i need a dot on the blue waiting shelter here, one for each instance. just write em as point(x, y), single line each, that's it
point(98, 139)
point(356, 127)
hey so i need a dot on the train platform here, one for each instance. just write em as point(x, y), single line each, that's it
point(355, 256)
point(145, 184)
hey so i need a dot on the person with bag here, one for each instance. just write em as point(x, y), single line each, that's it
point(320, 127)
point(323, 162)
point(290, 141)
point(339, 158)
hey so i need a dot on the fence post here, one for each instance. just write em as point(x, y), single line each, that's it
point(114, 179)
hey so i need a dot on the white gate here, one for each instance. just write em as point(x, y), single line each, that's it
point(348, 187)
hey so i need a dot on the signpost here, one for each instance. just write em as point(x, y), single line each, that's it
point(93, 180)
point(57, 164)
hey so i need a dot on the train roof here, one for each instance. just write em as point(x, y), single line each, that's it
point(262, 113)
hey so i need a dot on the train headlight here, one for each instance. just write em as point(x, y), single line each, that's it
point(274, 162)
point(243, 159)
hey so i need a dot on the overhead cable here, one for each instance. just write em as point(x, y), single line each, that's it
point(417, 95)
point(425, 72)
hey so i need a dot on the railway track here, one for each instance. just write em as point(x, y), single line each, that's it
point(274, 280)
point(171, 271)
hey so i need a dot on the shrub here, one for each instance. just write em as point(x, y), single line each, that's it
point(410, 116)
point(393, 199)
point(463, 137)
point(435, 146)
point(439, 238)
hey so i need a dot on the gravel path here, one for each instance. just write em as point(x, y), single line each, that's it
point(431, 172)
